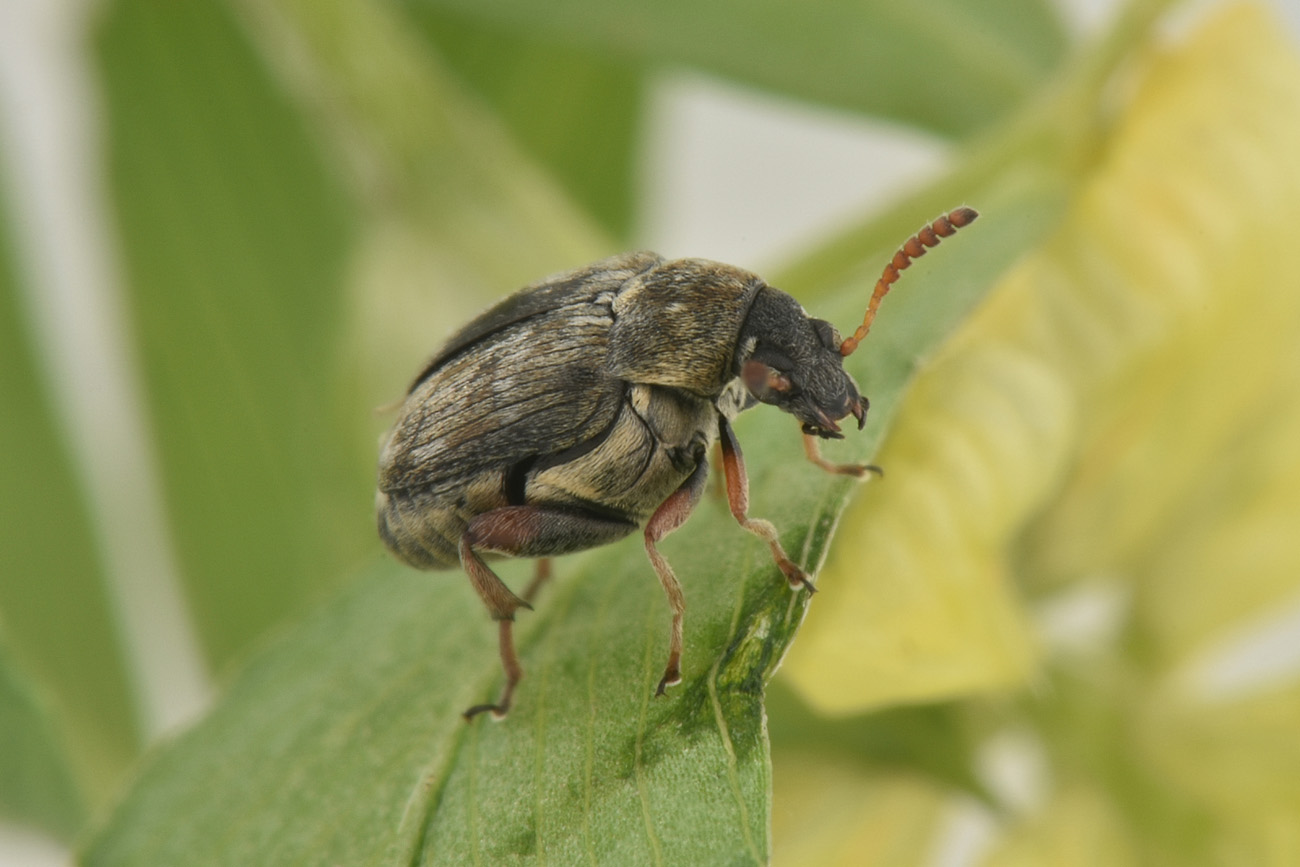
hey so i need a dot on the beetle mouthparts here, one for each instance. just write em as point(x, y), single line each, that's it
point(826, 423)
point(832, 433)
point(859, 412)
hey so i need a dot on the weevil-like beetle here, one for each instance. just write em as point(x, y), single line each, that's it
point(583, 408)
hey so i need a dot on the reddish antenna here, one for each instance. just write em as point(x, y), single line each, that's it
point(914, 248)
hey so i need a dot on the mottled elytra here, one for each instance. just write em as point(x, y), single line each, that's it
point(583, 408)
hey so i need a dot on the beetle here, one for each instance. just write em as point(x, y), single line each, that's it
point(583, 408)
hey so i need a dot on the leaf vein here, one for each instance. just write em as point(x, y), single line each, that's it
point(647, 679)
point(733, 777)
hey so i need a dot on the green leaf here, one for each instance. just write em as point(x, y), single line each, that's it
point(37, 784)
point(344, 741)
point(951, 67)
point(453, 211)
point(927, 739)
point(235, 241)
point(52, 596)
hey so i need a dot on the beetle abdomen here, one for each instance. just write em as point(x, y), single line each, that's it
point(653, 445)
point(414, 528)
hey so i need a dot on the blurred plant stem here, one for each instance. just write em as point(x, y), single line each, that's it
point(1050, 141)
point(412, 144)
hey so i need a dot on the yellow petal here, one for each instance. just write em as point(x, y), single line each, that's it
point(831, 813)
point(1118, 407)
point(1078, 828)
point(923, 605)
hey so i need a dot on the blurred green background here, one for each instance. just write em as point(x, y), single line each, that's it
point(1067, 630)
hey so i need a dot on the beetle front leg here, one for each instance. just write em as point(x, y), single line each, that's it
point(670, 515)
point(733, 464)
point(812, 447)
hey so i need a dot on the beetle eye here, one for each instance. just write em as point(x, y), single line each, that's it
point(777, 381)
point(763, 379)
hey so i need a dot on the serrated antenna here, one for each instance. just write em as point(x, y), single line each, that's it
point(914, 248)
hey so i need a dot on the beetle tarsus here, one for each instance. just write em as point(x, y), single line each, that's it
point(812, 448)
point(797, 578)
point(498, 712)
point(672, 676)
point(514, 673)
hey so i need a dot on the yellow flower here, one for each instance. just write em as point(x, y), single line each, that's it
point(1119, 421)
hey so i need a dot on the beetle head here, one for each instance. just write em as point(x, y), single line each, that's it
point(793, 362)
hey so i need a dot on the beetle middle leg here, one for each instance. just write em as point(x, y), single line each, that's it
point(541, 575)
point(523, 531)
point(733, 464)
point(670, 515)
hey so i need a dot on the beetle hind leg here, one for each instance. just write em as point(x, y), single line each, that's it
point(523, 531)
point(501, 604)
point(541, 576)
point(514, 673)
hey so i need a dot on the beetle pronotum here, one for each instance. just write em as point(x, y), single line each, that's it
point(583, 407)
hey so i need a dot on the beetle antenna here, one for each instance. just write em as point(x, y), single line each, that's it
point(914, 248)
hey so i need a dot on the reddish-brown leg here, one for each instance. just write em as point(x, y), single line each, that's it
point(540, 576)
point(733, 464)
point(501, 604)
point(813, 449)
point(523, 531)
point(509, 659)
point(670, 515)
point(513, 670)
point(500, 601)
point(718, 487)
